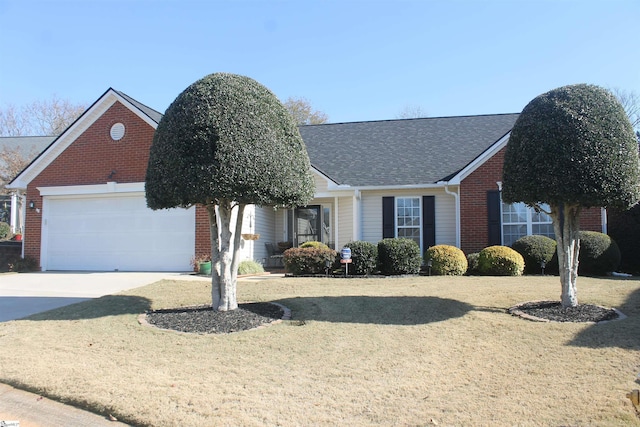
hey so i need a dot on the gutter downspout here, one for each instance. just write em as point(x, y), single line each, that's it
point(456, 196)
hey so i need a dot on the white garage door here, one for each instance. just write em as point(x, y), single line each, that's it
point(109, 233)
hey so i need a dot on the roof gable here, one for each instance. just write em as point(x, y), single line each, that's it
point(402, 152)
point(77, 128)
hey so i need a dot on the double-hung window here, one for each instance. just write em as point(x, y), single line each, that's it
point(520, 220)
point(408, 218)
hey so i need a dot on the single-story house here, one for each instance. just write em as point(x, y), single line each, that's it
point(435, 180)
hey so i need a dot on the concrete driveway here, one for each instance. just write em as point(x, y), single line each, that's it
point(25, 294)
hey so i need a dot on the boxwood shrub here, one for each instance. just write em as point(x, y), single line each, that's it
point(314, 244)
point(249, 266)
point(398, 256)
point(535, 249)
point(300, 261)
point(446, 260)
point(364, 256)
point(472, 264)
point(599, 254)
point(500, 261)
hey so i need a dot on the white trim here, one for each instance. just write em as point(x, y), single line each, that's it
point(336, 222)
point(72, 133)
point(605, 220)
point(480, 160)
point(108, 188)
point(456, 196)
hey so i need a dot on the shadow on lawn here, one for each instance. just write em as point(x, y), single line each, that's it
point(622, 333)
point(108, 305)
point(376, 310)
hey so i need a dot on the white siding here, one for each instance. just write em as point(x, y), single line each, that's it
point(345, 221)
point(321, 184)
point(445, 213)
point(260, 221)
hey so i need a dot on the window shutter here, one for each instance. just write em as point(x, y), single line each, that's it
point(493, 216)
point(428, 221)
point(388, 217)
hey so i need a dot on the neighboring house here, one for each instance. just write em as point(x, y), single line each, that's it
point(435, 180)
point(11, 206)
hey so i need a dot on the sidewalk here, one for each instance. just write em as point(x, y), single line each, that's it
point(31, 410)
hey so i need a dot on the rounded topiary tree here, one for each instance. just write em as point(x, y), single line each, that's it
point(226, 142)
point(572, 148)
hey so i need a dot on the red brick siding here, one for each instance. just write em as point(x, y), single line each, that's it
point(203, 240)
point(474, 234)
point(89, 160)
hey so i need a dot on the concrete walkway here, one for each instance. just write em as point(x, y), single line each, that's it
point(25, 294)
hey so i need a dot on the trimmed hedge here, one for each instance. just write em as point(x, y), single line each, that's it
point(500, 261)
point(599, 254)
point(446, 260)
point(472, 262)
point(299, 261)
point(535, 249)
point(398, 256)
point(364, 257)
point(314, 244)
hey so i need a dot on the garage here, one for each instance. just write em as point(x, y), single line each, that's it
point(115, 232)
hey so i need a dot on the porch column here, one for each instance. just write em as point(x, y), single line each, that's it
point(335, 223)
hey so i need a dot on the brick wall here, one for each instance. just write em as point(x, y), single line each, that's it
point(474, 234)
point(90, 159)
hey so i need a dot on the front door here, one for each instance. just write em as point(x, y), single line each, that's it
point(308, 224)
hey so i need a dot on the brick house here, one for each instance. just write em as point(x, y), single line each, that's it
point(435, 180)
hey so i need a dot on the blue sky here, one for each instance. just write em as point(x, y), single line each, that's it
point(353, 59)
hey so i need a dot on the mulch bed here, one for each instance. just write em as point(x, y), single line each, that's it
point(554, 312)
point(204, 320)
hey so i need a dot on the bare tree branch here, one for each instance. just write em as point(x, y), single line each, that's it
point(630, 100)
point(303, 112)
point(42, 118)
point(411, 112)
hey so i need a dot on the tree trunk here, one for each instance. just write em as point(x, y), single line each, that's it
point(215, 256)
point(566, 224)
point(225, 253)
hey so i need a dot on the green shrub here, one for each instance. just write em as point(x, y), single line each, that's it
point(250, 267)
point(25, 265)
point(314, 244)
point(5, 230)
point(599, 254)
point(446, 260)
point(534, 250)
point(364, 256)
point(399, 256)
point(500, 261)
point(472, 264)
point(308, 260)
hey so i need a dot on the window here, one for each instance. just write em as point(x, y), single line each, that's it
point(408, 218)
point(520, 220)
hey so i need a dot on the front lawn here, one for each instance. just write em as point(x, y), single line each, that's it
point(398, 351)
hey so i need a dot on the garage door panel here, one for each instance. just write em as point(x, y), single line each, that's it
point(117, 233)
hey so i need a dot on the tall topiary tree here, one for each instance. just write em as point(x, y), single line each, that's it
point(226, 142)
point(572, 148)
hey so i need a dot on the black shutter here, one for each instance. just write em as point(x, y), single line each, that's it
point(428, 221)
point(493, 217)
point(388, 217)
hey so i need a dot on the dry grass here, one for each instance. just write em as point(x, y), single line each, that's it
point(398, 351)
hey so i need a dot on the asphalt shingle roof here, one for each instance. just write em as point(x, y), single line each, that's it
point(153, 114)
point(402, 152)
point(27, 145)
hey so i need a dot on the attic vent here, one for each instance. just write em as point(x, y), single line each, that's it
point(117, 131)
